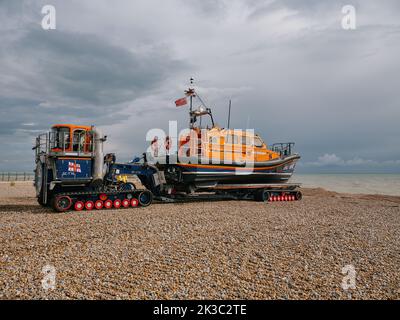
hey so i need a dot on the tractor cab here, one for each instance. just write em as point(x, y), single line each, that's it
point(66, 156)
point(71, 139)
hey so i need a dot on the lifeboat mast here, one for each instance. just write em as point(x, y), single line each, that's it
point(201, 111)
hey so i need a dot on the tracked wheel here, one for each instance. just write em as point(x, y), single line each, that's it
point(99, 205)
point(117, 203)
point(62, 203)
point(108, 204)
point(89, 205)
point(79, 206)
point(262, 196)
point(145, 198)
point(125, 203)
point(134, 203)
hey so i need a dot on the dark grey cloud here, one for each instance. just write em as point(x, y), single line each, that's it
point(63, 76)
point(90, 71)
point(292, 71)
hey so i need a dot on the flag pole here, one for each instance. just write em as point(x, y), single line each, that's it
point(191, 112)
point(191, 95)
point(191, 89)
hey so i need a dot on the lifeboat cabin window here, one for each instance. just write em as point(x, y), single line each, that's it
point(61, 139)
point(258, 142)
point(215, 141)
point(231, 139)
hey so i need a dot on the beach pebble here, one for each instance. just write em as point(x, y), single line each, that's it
point(206, 250)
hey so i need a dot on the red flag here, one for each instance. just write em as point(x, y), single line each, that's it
point(181, 102)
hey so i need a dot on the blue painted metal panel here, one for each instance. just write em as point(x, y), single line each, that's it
point(131, 168)
point(72, 169)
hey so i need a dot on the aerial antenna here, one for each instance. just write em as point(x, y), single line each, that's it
point(229, 114)
point(248, 122)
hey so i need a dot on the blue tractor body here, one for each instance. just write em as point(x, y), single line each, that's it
point(70, 169)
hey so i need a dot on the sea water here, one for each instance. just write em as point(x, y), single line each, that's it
point(387, 184)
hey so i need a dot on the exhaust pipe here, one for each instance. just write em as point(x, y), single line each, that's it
point(98, 173)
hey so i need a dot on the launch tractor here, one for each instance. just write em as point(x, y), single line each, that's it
point(72, 172)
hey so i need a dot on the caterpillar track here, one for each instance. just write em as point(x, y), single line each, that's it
point(79, 201)
point(259, 195)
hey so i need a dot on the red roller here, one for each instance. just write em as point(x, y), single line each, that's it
point(79, 206)
point(117, 203)
point(99, 205)
point(108, 204)
point(89, 205)
point(103, 197)
point(292, 198)
point(126, 203)
point(134, 202)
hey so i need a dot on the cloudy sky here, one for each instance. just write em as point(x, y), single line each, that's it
point(293, 74)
